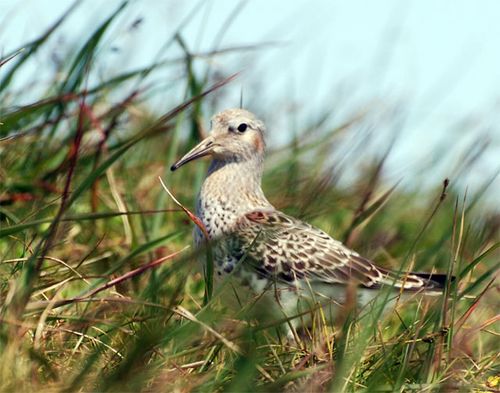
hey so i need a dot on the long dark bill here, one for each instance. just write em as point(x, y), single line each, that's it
point(202, 149)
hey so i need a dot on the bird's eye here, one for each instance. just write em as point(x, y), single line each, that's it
point(242, 127)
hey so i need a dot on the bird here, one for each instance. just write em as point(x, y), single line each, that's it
point(265, 249)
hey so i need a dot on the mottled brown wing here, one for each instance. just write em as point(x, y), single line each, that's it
point(287, 249)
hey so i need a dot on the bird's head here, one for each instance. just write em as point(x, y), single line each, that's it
point(236, 135)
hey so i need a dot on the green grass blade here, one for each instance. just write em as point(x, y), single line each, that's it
point(471, 265)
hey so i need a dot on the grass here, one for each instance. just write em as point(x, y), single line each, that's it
point(99, 292)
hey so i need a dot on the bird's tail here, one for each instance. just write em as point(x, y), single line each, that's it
point(416, 281)
point(434, 281)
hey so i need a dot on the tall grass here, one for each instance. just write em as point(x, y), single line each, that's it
point(99, 292)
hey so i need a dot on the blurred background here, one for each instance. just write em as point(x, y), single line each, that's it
point(421, 74)
point(369, 107)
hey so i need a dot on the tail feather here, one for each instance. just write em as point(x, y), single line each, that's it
point(414, 281)
point(434, 280)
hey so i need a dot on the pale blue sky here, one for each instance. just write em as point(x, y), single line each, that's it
point(441, 59)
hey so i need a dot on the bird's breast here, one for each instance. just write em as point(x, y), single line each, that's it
point(218, 216)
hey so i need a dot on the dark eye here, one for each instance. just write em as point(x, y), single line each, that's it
point(242, 127)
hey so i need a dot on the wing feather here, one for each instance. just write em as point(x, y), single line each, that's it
point(282, 247)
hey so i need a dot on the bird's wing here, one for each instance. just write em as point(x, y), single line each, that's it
point(280, 246)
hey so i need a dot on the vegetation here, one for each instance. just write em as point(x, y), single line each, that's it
point(101, 290)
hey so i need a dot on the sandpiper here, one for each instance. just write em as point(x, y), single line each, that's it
point(266, 249)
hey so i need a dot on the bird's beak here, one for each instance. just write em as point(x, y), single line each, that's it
point(204, 148)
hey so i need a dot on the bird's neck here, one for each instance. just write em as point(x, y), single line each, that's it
point(238, 176)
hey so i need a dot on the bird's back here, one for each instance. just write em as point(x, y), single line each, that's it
point(285, 249)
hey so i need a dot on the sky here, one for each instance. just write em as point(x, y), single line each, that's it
point(439, 60)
